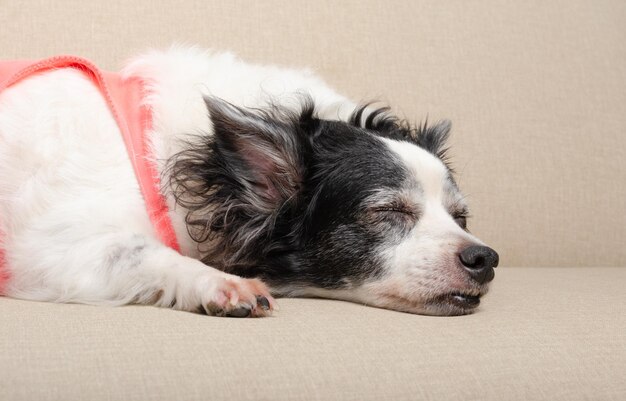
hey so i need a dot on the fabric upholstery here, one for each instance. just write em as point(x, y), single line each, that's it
point(550, 334)
point(536, 90)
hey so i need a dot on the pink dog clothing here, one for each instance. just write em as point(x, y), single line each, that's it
point(123, 96)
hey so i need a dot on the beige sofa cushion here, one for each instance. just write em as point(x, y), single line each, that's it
point(537, 94)
point(551, 334)
point(536, 90)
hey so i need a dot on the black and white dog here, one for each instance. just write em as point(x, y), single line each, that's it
point(274, 182)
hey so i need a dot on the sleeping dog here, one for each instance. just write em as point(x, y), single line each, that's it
point(237, 182)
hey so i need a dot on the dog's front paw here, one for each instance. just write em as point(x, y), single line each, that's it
point(234, 296)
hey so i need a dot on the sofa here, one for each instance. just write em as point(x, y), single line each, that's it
point(536, 92)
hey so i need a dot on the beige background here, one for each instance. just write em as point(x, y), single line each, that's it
point(536, 91)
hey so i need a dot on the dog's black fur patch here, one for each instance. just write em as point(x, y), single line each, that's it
point(281, 195)
point(429, 137)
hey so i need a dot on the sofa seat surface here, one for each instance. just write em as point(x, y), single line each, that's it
point(541, 333)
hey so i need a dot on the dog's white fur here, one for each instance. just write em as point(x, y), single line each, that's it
point(68, 194)
point(74, 222)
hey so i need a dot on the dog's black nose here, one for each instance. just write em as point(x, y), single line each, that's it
point(479, 261)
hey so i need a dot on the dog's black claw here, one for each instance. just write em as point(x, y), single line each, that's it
point(240, 312)
point(263, 302)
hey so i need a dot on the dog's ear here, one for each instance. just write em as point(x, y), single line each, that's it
point(429, 137)
point(262, 150)
point(433, 138)
point(236, 181)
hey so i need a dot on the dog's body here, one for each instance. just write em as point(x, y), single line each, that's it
point(308, 192)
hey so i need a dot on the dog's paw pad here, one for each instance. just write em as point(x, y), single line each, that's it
point(242, 311)
point(213, 309)
point(239, 297)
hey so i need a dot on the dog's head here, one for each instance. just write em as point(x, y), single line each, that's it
point(365, 210)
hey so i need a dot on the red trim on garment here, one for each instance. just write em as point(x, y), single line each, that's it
point(134, 119)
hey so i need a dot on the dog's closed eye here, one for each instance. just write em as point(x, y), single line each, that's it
point(461, 219)
point(396, 209)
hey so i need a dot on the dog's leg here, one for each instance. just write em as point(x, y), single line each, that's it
point(125, 268)
point(157, 275)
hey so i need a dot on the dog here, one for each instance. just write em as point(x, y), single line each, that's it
point(272, 184)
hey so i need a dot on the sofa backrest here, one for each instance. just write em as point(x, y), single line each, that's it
point(536, 91)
